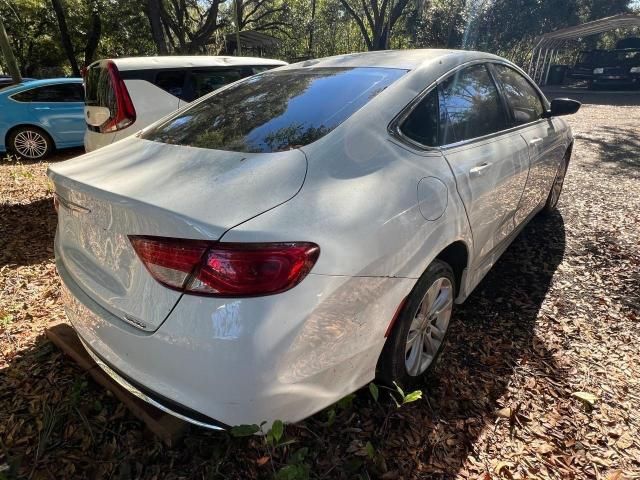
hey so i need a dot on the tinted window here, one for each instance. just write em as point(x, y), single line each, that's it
point(171, 82)
point(422, 123)
point(276, 110)
point(100, 92)
point(522, 97)
point(70, 92)
point(472, 104)
point(202, 82)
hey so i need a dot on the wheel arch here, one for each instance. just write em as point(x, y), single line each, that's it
point(456, 255)
point(31, 125)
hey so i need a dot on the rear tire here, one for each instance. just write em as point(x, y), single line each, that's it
point(556, 189)
point(420, 331)
point(31, 143)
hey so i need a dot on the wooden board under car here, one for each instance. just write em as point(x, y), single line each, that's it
point(167, 427)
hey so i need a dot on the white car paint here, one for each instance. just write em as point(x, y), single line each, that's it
point(380, 207)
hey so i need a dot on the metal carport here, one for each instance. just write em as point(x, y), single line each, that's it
point(547, 46)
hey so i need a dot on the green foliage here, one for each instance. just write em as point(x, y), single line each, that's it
point(244, 430)
point(499, 26)
point(275, 432)
point(406, 397)
point(373, 389)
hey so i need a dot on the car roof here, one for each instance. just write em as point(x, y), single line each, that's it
point(38, 83)
point(403, 59)
point(181, 61)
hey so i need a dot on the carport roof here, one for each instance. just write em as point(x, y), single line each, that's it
point(559, 37)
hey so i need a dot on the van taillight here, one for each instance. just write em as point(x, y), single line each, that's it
point(125, 113)
point(226, 269)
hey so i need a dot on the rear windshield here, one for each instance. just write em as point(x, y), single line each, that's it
point(275, 110)
point(99, 92)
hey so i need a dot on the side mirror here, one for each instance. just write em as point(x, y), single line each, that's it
point(563, 106)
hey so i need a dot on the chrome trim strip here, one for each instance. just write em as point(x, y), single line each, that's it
point(142, 396)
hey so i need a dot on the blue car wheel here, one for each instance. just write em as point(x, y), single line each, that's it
point(30, 142)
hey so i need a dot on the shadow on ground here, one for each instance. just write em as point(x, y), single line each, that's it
point(618, 146)
point(492, 336)
point(27, 232)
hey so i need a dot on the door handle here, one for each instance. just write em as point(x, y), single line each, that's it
point(477, 170)
point(42, 108)
point(534, 141)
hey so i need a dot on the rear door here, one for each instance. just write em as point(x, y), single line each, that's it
point(489, 162)
point(541, 135)
point(61, 109)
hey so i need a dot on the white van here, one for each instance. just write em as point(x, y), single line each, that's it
point(124, 95)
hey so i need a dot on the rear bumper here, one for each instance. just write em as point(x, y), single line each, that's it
point(155, 399)
point(218, 362)
point(95, 140)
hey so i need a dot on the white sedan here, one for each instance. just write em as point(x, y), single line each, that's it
point(297, 234)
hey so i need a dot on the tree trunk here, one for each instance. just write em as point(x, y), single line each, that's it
point(93, 36)
point(152, 9)
point(312, 26)
point(7, 53)
point(64, 36)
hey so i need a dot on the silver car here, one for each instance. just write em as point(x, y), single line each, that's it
point(287, 239)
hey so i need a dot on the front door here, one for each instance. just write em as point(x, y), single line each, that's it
point(540, 134)
point(490, 165)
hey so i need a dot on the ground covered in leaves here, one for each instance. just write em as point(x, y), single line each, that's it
point(540, 378)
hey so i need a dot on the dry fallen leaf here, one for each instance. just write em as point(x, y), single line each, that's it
point(586, 397)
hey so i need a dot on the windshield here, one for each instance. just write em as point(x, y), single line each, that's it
point(616, 58)
point(275, 111)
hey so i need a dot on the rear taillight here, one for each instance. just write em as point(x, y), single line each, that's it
point(226, 269)
point(125, 113)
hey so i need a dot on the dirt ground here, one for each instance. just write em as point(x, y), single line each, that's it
point(540, 378)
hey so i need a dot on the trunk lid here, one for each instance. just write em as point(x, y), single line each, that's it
point(140, 187)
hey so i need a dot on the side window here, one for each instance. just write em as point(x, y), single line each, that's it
point(522, 97)
point(206, 81)
point(422, 123)
point(64, 93)
point(472, 104)
point(171, 82)
point(26, 96)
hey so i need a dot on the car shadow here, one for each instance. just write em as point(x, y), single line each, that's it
point(27, 232)
point(492, 335)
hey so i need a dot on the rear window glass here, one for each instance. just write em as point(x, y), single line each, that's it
point(99, 92)
point(276, 110)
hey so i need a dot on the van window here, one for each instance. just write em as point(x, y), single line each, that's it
point(202, 82)
point(275, 111)
point(171, 81)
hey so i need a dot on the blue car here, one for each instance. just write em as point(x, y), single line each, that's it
point(40, 116)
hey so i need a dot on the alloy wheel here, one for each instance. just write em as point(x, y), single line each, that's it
point(30, 144)
point(429, 326)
